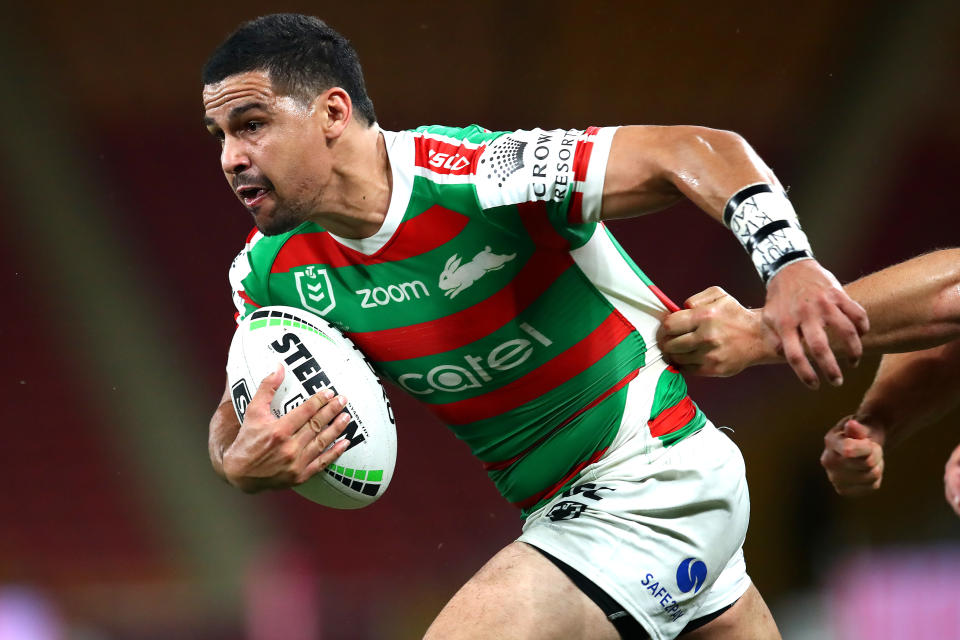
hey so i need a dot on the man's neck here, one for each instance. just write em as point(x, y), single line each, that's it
point(356, 200)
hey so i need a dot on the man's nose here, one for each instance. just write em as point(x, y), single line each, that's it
point(233, 158)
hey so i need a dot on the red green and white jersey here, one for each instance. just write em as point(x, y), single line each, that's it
point(494, 295)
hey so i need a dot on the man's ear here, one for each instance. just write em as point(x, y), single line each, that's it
point(335, 109)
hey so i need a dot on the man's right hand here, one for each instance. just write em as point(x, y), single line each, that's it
point(278, 453)
point(853, 457)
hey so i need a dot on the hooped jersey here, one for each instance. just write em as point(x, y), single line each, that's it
point(494, 295)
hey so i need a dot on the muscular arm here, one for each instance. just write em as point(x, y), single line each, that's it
point(651, 167)
point(912, 305)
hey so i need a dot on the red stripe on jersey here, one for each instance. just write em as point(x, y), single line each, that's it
point(547, 376)
point(592, 131)
point(461, 328)
point(581, 160)
point(431, 229)
point(662, 297)
point(673, 418)
point(503, 464)
point(444, 157)
point(252, 233)
point(551, 491)
point(575, 213)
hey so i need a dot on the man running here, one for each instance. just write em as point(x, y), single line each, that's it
point(532, 336)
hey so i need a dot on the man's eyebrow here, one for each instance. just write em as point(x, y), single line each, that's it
point(236, 112)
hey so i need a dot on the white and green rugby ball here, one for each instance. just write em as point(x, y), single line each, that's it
point(317, 356)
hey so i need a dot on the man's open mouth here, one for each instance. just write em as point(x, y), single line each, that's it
point(252, 196)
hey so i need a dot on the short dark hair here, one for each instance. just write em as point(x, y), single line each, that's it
point(302, 55)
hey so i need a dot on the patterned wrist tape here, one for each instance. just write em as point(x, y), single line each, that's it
point(766, 225)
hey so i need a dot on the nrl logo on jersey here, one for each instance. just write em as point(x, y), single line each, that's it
point(456, 277)
point(316, 293)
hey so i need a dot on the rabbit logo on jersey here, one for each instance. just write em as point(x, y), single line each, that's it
point(456, 277)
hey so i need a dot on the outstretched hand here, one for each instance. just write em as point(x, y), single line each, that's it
point(277, 453)
point(951, 481)
point(716, 336)
point(804, 303)
point(853, 457)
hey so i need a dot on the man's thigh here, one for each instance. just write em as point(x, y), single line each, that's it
point(748, 619)
point(519, 594)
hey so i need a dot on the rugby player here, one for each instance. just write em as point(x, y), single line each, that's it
point(914, 310)
point(531, 335)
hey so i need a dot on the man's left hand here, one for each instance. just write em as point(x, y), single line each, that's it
point(805, 302)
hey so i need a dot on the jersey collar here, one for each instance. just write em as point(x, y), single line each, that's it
point(399, 149)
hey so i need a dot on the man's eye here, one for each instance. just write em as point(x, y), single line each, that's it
point(254, 126)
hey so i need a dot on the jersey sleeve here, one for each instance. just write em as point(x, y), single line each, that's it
point(563, 169)
point(247, 284)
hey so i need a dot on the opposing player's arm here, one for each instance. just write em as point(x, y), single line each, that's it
point(910, 391)
point(912, 305)
point(649, 168)
point(264, 452)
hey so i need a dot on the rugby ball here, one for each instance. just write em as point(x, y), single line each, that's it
point(316, 356)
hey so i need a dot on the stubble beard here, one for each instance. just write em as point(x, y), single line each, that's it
point(285, 218)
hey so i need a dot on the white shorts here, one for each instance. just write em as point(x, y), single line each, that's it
point(664, 537)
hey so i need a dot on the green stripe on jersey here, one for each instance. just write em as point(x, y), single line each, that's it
point(672, 389)
point(550, 461)
point(507, 435)
point(571, 311)
point(473, 134)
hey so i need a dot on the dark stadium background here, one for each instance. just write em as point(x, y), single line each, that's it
point(119, 230)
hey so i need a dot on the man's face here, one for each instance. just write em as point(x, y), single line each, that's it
point(273, 149)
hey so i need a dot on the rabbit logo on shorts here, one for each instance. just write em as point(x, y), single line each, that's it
point(691, 574)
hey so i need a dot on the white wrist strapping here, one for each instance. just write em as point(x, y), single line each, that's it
point(766, 225)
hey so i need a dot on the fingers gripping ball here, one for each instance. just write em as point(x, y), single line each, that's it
point(317, 356)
